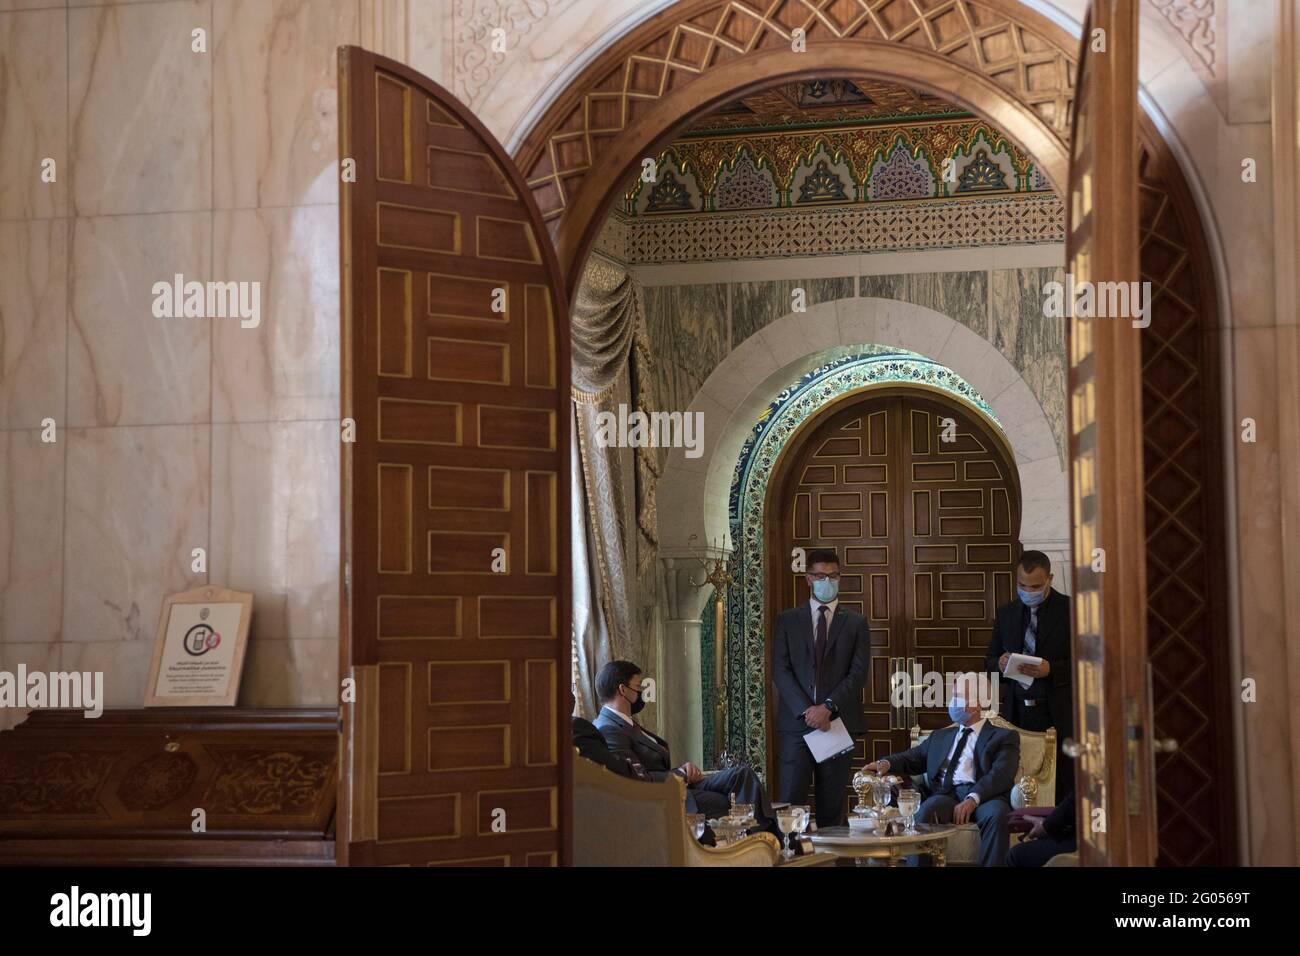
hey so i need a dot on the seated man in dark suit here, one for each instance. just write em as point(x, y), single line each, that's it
point(591, 744)
point(619, 687)
point(969, 768)
point(1051, 835)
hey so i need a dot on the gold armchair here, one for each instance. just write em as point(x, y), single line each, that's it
point(1035, 784)
point(622, 822)
point(1036, 779)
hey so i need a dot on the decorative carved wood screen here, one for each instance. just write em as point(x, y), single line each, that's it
point(1112, 693)
point(456, 376)
point(927, 531)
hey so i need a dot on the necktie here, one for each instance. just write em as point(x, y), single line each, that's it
point(819, 646)
point(1031, 635)
point(955, 759)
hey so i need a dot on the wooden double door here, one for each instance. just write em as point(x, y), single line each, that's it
point(918, 496)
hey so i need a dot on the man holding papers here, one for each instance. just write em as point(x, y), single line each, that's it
point(1030, 648)
point(819, 660)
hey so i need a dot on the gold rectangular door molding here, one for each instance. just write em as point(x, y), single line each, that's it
point(455, 618)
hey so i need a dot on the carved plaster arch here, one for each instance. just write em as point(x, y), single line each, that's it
point(1005, 62)
point(695, 491)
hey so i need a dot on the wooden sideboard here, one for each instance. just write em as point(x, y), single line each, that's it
point(122, 789)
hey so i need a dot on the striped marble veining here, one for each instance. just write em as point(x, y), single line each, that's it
point(755, 305)
point(687, 326)
point(962, 296)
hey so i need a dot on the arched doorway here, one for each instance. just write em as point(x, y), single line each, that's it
point(1012, 66)
point(1004, 62)
point(918, 494)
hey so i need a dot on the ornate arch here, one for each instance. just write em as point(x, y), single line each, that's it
point(996, 57)
point(1015, 68)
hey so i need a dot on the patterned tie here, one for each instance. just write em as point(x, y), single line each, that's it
point(1031, 635)
point(819, 646)
point(954, 760)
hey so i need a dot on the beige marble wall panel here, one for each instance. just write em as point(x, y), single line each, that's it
point(1249, 48)
point(32, 4)
point(275, 104)
point(141, 108)
point(33, 321)
point(126, 366)
point(33, 113)
point(31, 537)
point(287, 368)
point(124, 664)
point(137, 504)
point(35, 657)
point(544, 38)
point(1260, 551)
point(290, 674)
point(275, 506)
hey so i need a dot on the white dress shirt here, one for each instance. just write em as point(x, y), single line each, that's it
point(965, 770)
point(615, 710)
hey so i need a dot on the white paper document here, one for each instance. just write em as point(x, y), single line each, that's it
point(1014, 664)
point(825, 744)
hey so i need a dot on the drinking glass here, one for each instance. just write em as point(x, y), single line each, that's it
point(908, 803)
point(696, 822)
point(880, 794)
point(787, 823)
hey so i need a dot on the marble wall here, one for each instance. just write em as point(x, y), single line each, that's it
point(171, 434)
point(693, 326)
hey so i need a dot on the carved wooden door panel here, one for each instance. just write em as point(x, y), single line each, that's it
point(1114, 780)
point(920, 500)
point(961, 529)
point(455, 372)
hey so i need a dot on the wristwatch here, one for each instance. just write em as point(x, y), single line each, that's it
point(830, 705)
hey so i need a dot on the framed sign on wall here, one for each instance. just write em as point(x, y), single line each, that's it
point(199, 653)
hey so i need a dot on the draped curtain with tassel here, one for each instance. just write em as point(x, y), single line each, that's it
point(611, 366)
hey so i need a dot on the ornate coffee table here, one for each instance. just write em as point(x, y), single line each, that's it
point(930, 839)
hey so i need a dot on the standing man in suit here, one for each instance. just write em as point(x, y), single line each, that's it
point(819, 661)
point(969, 766)
point(1037, 623)
point(618, 685)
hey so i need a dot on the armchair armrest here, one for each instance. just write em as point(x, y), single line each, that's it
point(758, 849)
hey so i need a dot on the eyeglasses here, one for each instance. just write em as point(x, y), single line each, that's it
point(834, 576)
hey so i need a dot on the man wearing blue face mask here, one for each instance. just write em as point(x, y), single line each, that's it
point(1037, 624)
point(820, 653)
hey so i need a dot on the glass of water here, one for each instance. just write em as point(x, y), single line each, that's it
point(908, 803)
point(787, 821)
point(695, 822)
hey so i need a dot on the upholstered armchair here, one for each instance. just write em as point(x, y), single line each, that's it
point(1035, 785)
point(1036, 779)
point(618, 821)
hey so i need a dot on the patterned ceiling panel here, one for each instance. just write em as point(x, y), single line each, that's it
point(824, 103)
point(781, 168)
